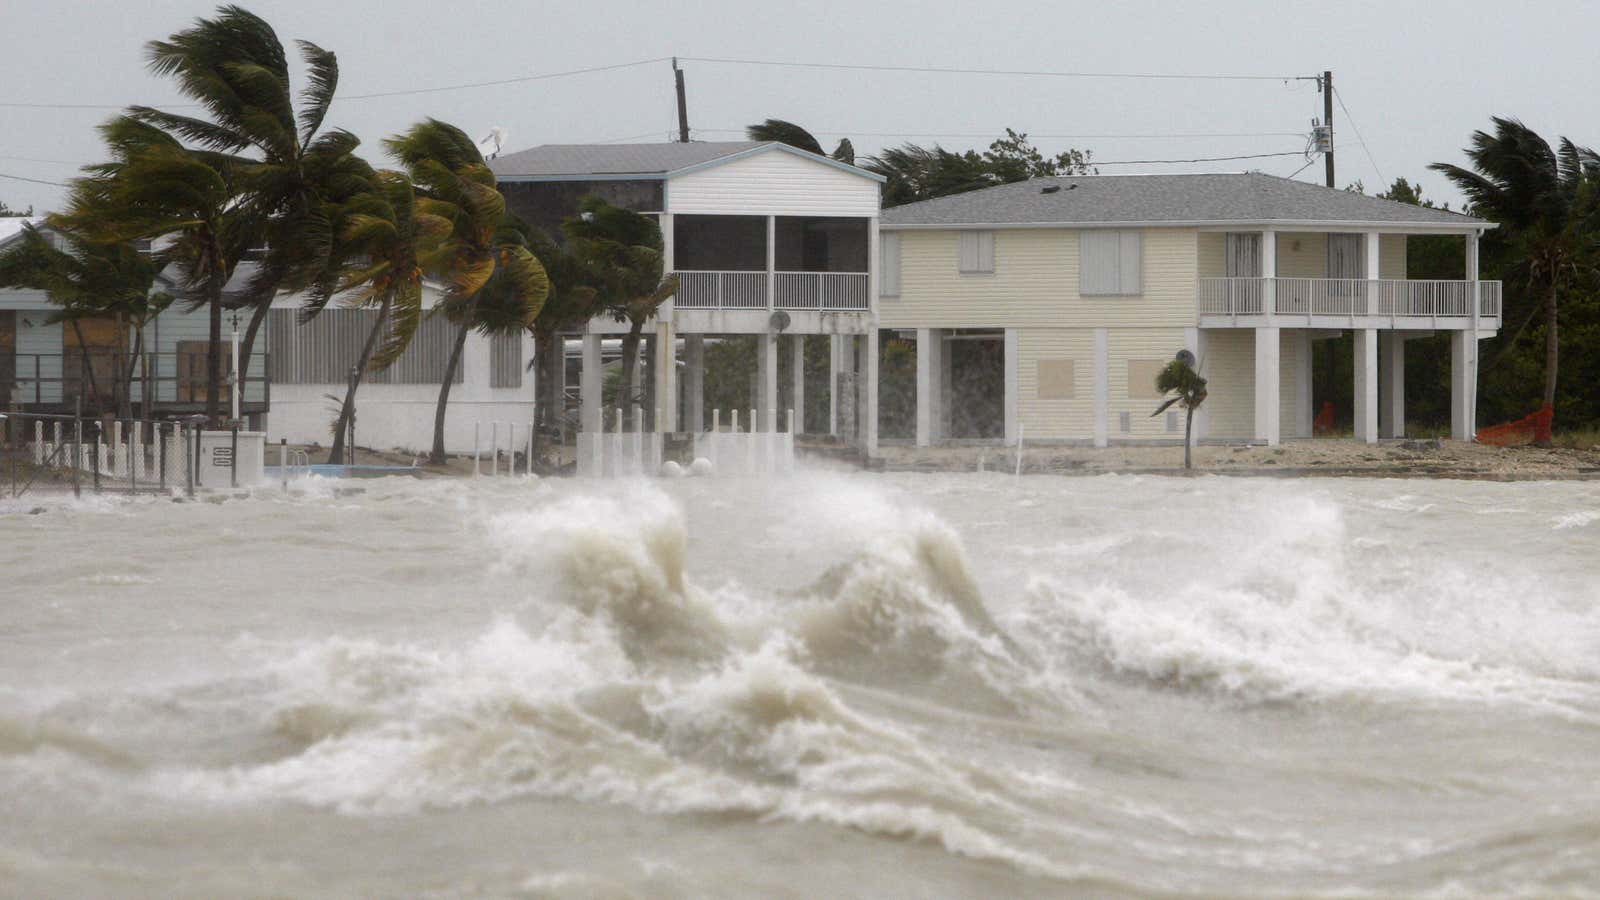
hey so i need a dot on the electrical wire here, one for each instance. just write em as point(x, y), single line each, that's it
point(987, 134)
point(34, 180)
point(1360, 139)
point(1199, 159)
point(1016, 72)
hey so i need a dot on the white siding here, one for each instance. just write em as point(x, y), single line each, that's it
point(1058, 418)
point(1151, 345)
point(38, 344)
point(773, 183)
point(1229, 366)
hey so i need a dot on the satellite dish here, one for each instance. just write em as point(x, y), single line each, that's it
point(779, 321)
point(491, 143)
point(1185, 357)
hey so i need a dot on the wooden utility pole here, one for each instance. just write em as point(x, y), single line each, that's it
point(683, 109)
point(1327, 118)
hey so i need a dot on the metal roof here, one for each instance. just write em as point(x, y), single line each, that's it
point(1165, 199)
point(615, 159)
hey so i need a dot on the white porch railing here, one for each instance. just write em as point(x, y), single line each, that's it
point(1346, 297)
point(791, 290)
point(822, 290)
point(721, 290)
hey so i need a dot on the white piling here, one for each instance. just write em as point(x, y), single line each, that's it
point(1019, 449)
point(475, 464)
point(528, 457)
point(750, 445)
point(494, 448)
point(638, 439)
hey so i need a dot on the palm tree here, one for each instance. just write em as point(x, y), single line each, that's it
point(455, 185)
point(620, 254)
point(154, 188)
point(789, 133)
point(570, 304)
point(392, 245)
point(1548, 201)
point(235, 67)
point(1188, 390)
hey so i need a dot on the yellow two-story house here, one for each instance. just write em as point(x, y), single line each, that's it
point(1043, 309)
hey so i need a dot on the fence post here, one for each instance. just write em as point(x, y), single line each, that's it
point(194, 459)
point(283, 461)
point(161, 458)
point(233, 456)
point(134, 438)
point(97, 427)
point(494, 448)
point(475, 449)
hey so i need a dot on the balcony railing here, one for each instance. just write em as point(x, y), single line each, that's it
point(824, 291)
point(1346, 297)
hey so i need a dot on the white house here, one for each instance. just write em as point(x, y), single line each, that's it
point(1072, 292)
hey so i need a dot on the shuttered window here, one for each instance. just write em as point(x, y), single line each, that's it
point(505, 361)
point(1243, 255)
point(323, 350)
point(1110, 262)
point(889, 265)
point(1347, 256)
point(977, 252)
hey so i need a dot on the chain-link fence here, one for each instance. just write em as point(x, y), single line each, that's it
point(41, 452)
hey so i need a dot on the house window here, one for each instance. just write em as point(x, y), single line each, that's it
point(1243, 259)
point(1347, 256)
point(505, 360)
point(977, 252)
point(889, 265)
point(1056, 379)
point(1110, 263)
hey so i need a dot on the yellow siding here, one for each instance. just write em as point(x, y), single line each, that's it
point(1302, 254)
point(1035, 283)
point(1229, 363)
point(1126, 344)
point(1392, 256)
point(1213, 254)
point(1056, 419)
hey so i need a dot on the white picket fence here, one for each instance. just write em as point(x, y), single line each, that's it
point(729, 450)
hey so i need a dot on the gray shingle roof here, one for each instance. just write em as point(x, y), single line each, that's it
point(614, 159)
point(1110, 199)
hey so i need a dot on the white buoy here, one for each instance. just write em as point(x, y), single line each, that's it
point(701, 466)
point(671, 469)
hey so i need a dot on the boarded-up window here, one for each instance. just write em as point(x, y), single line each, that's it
point(1056, 379)
point(977, 252)
point(1347, 256)
point(193, 367)
point(323, 350)
point(1110, 262)
point(505, 360)
point(889, 265)
point(1243, 258)
point(1142, 377)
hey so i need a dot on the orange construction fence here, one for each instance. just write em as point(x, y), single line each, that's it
point(1531, 429)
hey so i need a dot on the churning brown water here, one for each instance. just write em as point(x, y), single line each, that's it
point(824, 685)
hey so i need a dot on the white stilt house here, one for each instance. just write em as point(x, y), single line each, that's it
point(766, 240)
point(1083, 287)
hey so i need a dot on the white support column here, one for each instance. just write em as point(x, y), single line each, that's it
point(1305, 415)
point(799, 382)
point(1102, 387)
point(1011, 364)
point(869, 408)
point(767, 377)
point(694, 386)
point(925, 388)
point(1267, 375)
point(1269, 272)
point(1194, 340)
point(1462, 348)
point(946, 395)
point(1374, 269)
point(666, 376)
point(772, 262)
point(835, 360)
point(1392, 384)
point(1472, 361)
point(590, 380)
point(1366, 384)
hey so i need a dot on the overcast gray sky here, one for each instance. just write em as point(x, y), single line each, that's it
point(1418, 77)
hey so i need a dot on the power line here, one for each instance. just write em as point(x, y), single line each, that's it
point(1080, 137)
point(32, 159)
point(1198, 159)
point(943, 70)
point(1360, 139)
point(520, 79)
point(34, 180)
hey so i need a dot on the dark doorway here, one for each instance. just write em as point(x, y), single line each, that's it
point(976, 390)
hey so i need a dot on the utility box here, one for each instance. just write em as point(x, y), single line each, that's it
point(220, 456)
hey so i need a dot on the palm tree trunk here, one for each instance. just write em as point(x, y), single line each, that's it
point(247, 345)
point(630, 360)
point(1188, 429)
point(437, 456)
point(85, 364)
point(1551, 346)
point(348, 408)
point(549, 358)
point(214, 357)
point(133, 362)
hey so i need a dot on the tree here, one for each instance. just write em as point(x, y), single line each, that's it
point(491, 278)
point(154, 188)
point(789, 133)
point(1188, 390)
point(235, 68)
point(7, 212)
point(1547, 202)
point(90, 280)
point(391, 244)
point(619, 254)
point(571, 303)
